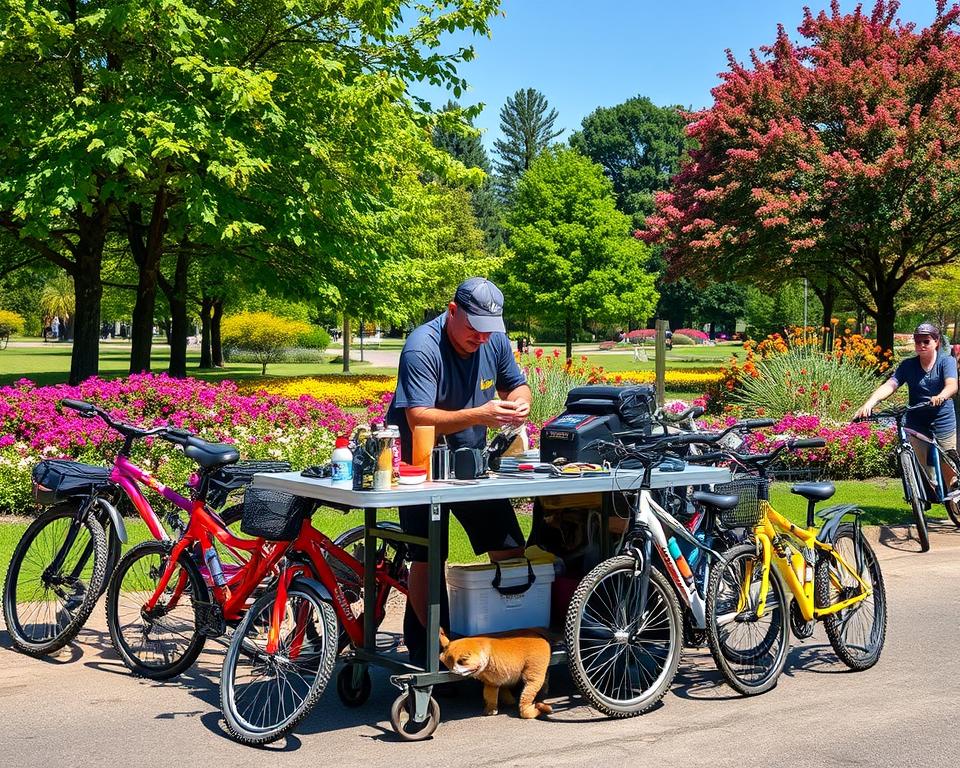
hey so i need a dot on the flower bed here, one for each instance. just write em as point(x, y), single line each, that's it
point(345, 391)
point(299, 429)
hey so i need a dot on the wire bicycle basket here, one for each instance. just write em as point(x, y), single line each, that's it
point(749, 510)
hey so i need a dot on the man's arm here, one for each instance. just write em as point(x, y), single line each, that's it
point(495, 414)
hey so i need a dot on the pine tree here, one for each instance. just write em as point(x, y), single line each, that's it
point(469, 150)
point(526, 121)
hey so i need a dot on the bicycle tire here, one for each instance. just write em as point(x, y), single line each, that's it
point(318, 663)
point(952, 505)
point(756, 668)
point(614, 620)
point(912, 491)
point(874, 608)
point(45, 639)
point(168, 643)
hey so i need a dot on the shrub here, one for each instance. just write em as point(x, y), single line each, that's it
point(693, 333)
point(262, 334)
point(551, 378)
point(10, 323)
point(316, 338)
point(681, 339)
point(805, 381)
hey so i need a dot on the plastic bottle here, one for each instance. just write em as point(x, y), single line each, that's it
point(342, 460)
point(394, 431)
point(212, 560)
point(681, 561)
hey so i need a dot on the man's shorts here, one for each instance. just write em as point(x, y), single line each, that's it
point(490, 525)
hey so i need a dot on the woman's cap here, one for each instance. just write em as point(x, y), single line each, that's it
point(927, 329)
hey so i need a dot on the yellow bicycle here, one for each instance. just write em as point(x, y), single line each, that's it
point(830, 571)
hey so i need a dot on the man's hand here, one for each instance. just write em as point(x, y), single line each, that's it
point(937, 400)
point(865, 410)
point(499, 413)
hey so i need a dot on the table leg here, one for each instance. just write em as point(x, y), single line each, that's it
point(369, 581)
point(434, 585)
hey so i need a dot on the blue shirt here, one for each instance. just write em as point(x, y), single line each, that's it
point(433, 375)
point(923, 385)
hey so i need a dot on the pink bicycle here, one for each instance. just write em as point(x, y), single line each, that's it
point(64, 560)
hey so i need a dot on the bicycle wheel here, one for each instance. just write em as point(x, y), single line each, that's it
point(164, 642)
point(263, 696)
point(750, 652)
point(623, 655)
point(856, 633)
point(391, 558)
point(54, 578)
point(912, 491)
point(952, 505)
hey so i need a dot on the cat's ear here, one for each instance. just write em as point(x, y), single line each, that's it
point(444, 640)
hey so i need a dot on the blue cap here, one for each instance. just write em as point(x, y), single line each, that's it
point(482, 302)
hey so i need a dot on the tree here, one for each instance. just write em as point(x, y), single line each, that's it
point(573, 257)
point(835, 159)
point(455, 135)
point(526, 121)
point(639, 145)
point(268, 129)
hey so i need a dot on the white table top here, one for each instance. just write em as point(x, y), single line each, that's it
point(479, 490)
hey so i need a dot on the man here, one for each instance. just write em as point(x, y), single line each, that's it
point(458, 374)
point(930, 377)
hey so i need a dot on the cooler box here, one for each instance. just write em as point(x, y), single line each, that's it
point(480, 604)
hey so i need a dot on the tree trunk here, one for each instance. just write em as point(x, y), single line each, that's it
point(146, 245)
point(885, 317)
point(206, 308)
point(88, 291)
point(176, 293)
point(216, 348)
point(346, 343)
point(568, 333)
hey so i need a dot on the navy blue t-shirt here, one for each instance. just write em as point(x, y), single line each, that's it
point(923, 385)
point(433, 375)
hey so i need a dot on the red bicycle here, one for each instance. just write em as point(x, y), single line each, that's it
point(263, 691)
point(63, 561)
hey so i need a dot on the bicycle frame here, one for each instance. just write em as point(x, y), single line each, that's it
point(128, 477)
point(649, 516)
point(771, 526)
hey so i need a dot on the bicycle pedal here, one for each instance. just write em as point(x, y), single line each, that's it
point(952, 496)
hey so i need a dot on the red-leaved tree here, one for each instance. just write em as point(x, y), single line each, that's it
point(837, 159)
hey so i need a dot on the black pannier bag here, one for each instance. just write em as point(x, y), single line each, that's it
point(56, 480)
point(233, 477)
point(273, 515)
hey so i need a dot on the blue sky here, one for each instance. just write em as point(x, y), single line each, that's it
point(583, 55)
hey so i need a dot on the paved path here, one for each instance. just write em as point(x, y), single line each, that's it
point(84, 709)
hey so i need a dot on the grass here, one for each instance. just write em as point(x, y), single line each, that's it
point(50, 364)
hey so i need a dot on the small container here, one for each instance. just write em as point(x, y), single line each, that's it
point(410, 474)
point(342, 460)
point(383, 475)
point(441, 462)
point(395, 447)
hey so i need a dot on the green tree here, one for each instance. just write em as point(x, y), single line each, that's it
point(268, 129)
point(266, 336)
point(526, 121)
point(573, 257)
point(639, 145)
point(456, 135)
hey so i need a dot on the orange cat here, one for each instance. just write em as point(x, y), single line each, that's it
point(499, 661)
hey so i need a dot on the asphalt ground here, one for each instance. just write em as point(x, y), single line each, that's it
point(82, 708)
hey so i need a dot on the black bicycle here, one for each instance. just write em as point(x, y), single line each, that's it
point(923, 487)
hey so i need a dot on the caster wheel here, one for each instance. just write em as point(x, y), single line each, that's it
point(401, 717)
point(353, 696)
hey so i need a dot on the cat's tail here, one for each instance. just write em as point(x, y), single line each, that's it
point(543, 707)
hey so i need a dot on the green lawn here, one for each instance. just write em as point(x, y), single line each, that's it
point(50, 364)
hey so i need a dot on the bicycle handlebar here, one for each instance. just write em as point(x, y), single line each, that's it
point(89, 410)
point(894, 413)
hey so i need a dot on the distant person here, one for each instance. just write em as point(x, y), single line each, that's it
point(123, 331)
point(55, 328)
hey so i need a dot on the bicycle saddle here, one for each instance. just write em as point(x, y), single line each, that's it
point(814, 491)
point(722, 501)
point(209, 455)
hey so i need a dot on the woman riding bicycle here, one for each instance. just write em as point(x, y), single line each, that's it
point(930, 377)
